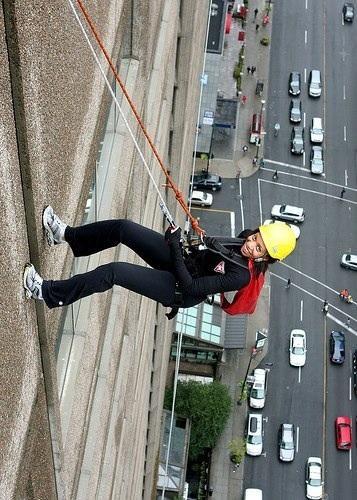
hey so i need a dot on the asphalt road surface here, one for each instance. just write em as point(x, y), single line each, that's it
point(306, 35)
point(310, 35)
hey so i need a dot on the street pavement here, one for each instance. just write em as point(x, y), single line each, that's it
point(226, 481)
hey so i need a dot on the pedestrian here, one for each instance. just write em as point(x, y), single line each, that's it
point(275, 175)
point(325, 307)
point(257, 27)
point(253, 69)
point(348, 322)
point(244, 99)
point(255, 13)
point(342, 194)
point(288, 283)
point(245, 148)
point(254, 161)
point(173, 279)
point(248, 69)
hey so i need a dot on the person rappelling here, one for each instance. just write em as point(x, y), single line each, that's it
point(175, 278)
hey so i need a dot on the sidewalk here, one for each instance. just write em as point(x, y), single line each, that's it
point(226, 482)
point(255, 55)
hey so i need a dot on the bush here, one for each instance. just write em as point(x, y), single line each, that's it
point(208, 406)
point(265, 40)
point(237, 450)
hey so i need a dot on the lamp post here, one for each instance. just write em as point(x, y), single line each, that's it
point(253, 352)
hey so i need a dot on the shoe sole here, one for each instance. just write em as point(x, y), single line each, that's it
point(48, 232)
point(27, 268)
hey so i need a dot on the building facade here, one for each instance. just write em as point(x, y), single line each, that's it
point(82, 387)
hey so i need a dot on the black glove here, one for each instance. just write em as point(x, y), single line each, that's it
point(173, 235)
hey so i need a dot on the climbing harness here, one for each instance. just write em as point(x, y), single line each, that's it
point(179, 196)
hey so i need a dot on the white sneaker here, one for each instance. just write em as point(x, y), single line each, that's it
point(32, 283)
point(54, 227)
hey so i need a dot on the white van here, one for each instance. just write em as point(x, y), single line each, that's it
point(253, 494)
point(258, 390)
point(254, 434)
point(315, 83)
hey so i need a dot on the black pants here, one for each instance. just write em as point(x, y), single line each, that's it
point(157, 283)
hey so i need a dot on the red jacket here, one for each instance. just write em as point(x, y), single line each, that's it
point(245, 300)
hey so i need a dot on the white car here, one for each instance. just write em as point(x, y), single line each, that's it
point(349, 261)
point(313, 478)
point(316, 132)
point(200, 198)
point(257, 392)
point(254, 444)
point(297, 348)
point(294, 227)
point(288, 213)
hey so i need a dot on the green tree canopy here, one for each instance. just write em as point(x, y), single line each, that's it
point(207, 405)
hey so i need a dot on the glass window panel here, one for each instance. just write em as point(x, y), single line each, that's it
point(207, 317)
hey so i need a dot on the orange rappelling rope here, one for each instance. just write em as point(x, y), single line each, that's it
point(171, 184)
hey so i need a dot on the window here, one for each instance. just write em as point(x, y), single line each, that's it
point(209, 330)
point(186, 321)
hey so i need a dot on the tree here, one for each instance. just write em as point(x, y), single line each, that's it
point(207, 405)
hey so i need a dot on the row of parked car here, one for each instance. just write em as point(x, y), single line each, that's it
point(286, 432)
point(316, 130)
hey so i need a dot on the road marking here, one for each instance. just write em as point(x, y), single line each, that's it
point(241, 205)
point(305, 37)
point(346, 178)
point(304, 119)
point(304, 75)
point(339, 322)
point(301, 309)
point(344, 92)
point(299, 377)
point(299, 188)
point(350, 389)
point(297, 439)
point(289, 165)
point(260, 205)
point(344, 133)
point(233, 224)
point(324, 406)
point(306, 4)
point(312, 179)
point(350, 457)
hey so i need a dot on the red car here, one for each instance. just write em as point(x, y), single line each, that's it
point(343, 427)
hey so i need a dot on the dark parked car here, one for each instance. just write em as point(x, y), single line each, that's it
point(337, 347)
point(207, 181)
point(295, 111)
point(348, 12)
point(294, 83)
point(286, 442)
point(297, 140)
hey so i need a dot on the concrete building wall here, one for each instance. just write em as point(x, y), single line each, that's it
point(54, 106)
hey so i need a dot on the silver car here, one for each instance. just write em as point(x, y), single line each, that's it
point(317, 160)
point(286, 442)
point(288, 213)
point(349, 261)
point(295, 111)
